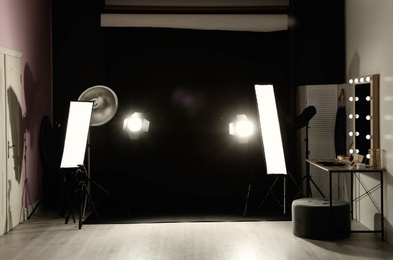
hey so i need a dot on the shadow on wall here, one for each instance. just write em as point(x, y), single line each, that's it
point(15, 146)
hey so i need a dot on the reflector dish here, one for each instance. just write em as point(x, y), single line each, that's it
point(105, 103)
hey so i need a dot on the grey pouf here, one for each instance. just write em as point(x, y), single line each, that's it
point(313, 218)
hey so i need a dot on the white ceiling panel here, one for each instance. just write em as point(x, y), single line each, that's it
point(198, 2)
point(255, 23)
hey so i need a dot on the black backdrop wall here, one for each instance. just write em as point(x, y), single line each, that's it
point(190, 85)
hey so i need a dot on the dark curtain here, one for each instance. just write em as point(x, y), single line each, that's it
point(340, 131)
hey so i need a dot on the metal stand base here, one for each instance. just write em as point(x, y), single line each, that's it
point(281, 202)
point(80, 197)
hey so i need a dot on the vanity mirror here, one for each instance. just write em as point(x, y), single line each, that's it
point(364, 119)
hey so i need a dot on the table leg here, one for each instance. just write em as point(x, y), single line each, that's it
point(330, 189)
point(382, 217)
point(352, 173)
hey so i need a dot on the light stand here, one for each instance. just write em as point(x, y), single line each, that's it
point(74, 155)
point(303, 121)
point(243, 128)
point(272, 142)
point(308, 177)
point(271, 139)
point(250, 180)
point(134, 125)
point(105, 105)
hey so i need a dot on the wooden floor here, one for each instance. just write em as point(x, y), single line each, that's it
point(46, 236)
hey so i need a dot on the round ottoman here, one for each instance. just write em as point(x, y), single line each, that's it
point(314, 218)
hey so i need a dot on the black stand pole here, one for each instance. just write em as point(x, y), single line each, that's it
point(250, 179)
point(81, 195)
point(307, 177)
point(247, 198)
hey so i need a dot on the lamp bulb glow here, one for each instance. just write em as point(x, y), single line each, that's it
point(134, 124)
point(244, 128)
point(368, 98)
point(368, 137)
point(368, 117)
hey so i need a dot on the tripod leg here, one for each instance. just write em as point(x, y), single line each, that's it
point(270, 192)
point(91, 202)
point(300, 191)
point(315, 185)
point(70, 210)
point(247, 200)
point(81, 204)
point(99, 186)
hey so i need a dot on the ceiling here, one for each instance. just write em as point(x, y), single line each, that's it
point(197, 2)
point(198, 6)
point(233, 15)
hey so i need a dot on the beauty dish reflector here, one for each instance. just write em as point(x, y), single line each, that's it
point(105, 103)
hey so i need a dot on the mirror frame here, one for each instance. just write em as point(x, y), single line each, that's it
point(363, 87)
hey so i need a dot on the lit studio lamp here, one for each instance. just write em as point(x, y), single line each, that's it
point(135, 124)
point(243, 129)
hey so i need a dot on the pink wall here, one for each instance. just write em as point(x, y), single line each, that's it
point(25, 26)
